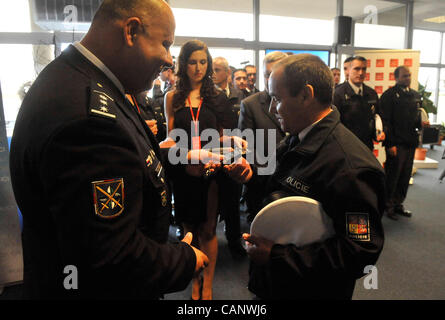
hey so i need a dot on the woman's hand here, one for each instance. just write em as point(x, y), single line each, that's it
point(237, 142)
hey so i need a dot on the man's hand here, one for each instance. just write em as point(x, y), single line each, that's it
point(240, 170)
point(202, 260)
point(152, 124)
point(392, 151)
point(258, 248)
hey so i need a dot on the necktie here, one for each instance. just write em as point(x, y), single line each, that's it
point(359, 92)
point(293, 142)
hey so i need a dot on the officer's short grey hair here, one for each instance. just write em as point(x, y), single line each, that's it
point(303, 69)
point(222, 61)
point(274, 56)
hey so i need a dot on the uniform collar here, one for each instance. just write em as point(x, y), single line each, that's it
point(100, 65)
point(316, 134)
point(403, 89)
point(306, 130)
point(355, 88)
point(227, 90)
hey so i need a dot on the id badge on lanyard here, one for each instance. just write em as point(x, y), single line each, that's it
point(196, 138)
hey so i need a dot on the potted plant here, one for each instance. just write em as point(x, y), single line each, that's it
point(427, 104)
point(429, 107)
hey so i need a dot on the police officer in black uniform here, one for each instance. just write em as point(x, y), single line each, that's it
point(401, 116)
point(358, 104)
point(89, 176)
point(324, 161)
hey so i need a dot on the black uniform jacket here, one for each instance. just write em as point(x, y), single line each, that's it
point(233, 105)
point(401, 116)
point(333, 167)
point(87, 177)
point(358, 112)
point(255, 115)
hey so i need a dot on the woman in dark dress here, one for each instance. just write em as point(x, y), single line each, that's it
point(196, 100)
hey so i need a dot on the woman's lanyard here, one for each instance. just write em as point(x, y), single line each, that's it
point(135, 103)
point(196, 139)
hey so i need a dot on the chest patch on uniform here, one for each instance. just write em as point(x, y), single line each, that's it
point(108, 197)
point(101, 103)
point(297, 184)
point(357, 226)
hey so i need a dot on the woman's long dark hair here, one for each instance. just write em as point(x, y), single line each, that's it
point(183, 86)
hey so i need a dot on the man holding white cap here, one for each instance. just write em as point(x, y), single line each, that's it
point(322, 160)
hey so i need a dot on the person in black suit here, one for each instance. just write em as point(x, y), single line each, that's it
point(336, 74)
point(251, 79)
point(254, 114)
point(88, 174)
point(338, 171)
point(401, 116)
point(239, 81)
point(358, 104)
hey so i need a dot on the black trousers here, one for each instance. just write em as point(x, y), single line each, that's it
point(398, 173)
point(229, 205)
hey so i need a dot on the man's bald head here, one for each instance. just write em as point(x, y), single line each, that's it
point(132, 38)
point(123, 9)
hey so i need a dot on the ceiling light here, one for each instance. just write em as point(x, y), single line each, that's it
point(440, 19)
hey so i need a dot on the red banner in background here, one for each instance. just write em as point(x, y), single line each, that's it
point(408, 62)
point(394, 63)
point(378, 89)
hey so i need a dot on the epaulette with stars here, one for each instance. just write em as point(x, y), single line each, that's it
point(101, 103)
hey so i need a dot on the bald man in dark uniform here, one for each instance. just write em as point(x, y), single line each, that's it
point(87, 173)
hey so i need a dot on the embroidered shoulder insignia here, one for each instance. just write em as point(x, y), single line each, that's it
point(101, 103)
point(108, 198)
point(357, 226)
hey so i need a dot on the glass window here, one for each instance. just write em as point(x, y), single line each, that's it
point(15, 16)
point(377, 36)
point(428, 42)
point(214, 18)
point(289, 30)
point(378, 24)
point(297, 21)
point(237, 58)
point(443, 48)
point(441, 100)
point(20, 65)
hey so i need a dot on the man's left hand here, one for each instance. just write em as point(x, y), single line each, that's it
point(240, 171)
point(258, 248)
